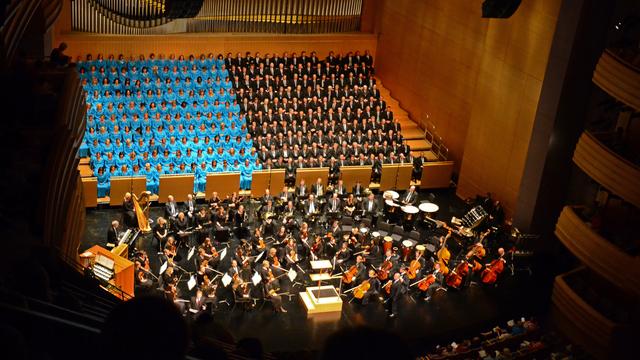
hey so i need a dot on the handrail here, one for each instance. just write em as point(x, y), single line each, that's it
point(609, 169)
point(597, 253)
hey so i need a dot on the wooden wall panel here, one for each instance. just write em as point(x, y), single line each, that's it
point(133, 45)
point(428, 56)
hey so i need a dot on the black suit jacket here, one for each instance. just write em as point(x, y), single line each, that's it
point(112, 236)
point(396, 290)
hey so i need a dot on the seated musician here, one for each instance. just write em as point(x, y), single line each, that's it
point(267, 197)
point(290, 172)
point(340, 189)
point(439, 280)
point(362, 269)
point(214, 201)
point(317, 248)
point(203, 223)
point(374, 288)
point(272, 288)
point(180, 226)
point(357, 190)
point(267, 210)
point(335, 229)
point(292, 258)
point(171, 208)
point(330, 246)
point(281, 235)
point(234, 270)
point(272, 257)
point(289, 212)
point(265, 271)
point(284, 197)
point(343, 254)
point(311, 207)
point(170, 250)
point(318, 190)
point(301, 191)
point(198, 302)
point(334, 205)
point(160, 231)
point(112, 234)
point(142, 280)
point(220, 218)
point(349, 206)
point(410, 197)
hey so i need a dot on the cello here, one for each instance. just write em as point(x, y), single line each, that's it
point(490, 274)
point(350, 274)
point(383, 271)
point(362, 289)
point(454, 279)
point(415, 265)
point(425, 282)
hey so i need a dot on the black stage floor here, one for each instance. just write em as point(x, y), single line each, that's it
point(455, 313)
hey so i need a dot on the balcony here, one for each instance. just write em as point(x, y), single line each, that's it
point(610, 170)
point(597, 253)
point(618, 78)
point(592, 314)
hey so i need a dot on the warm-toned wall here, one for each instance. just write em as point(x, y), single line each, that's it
point(505, 101)
point(429, 54)
point(81, 44)
point(478, 79)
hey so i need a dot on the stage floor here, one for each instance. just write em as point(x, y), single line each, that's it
point(421, 324)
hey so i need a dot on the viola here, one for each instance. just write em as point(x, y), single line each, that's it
point(276, 262)
point(359, 292)
point(349, 275)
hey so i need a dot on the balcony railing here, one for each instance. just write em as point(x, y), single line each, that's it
point(597, 253)
point(607, 168)
point(618, 78)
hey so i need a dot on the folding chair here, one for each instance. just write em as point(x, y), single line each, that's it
point(398, 233)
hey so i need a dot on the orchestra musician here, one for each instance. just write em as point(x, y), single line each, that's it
point(334, 205)
point(311, 208)
point(357, 190)
point(190, 208)
point(343, 254)
point(301, 191)
point(112, 234)
point(214, 201)
point(160, 231)
point(397, 290)
point(198, 302)
point(349, 205)
point(330, 246)
point(410, 197)
point(271, 289)
point(340, 189)
point(180, 226)
point(374, 288)
point(439, 280)
point(369, 206)
point(284, 197)
point(317, 189)
point(240, 217)
point(203, 223)
point(128, 210)
point(171, 208)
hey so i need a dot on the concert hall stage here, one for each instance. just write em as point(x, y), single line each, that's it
point(422, 324)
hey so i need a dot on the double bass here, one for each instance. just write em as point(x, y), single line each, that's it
point(444, 255)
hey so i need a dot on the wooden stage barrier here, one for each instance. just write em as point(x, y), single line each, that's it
point(436, 174)
point(353, 174)
point(277, 182)
point(260, 180)
point(311, 175)
point(90, 191)
point(224, 183)
point(403, 181)
point(177, 185)
point(395, 176)
point(121, 185)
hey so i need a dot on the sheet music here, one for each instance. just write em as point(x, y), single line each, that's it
point(163, 268)
point(259, 257)
point(192, 282)
point(256, 278)
point(191, 252)
point(292, 274)
point(223, 253)
point(226, 280)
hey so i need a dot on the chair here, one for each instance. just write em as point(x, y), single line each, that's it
point(398, 233)
point(347, 223)
point(384, 228)
point(241, 300)
point(365, 222)
point(414, 235)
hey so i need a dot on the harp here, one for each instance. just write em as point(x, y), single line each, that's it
point(141, 206)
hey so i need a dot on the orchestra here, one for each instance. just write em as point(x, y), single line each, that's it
point(244, 249)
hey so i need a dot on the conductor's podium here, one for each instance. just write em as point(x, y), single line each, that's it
point(322, 298)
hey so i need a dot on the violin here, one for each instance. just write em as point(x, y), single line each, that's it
point(261, 244)
point(359, 292)
point(385, 268)
point(350, 274)
point(490, 274)
point(276, 262)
